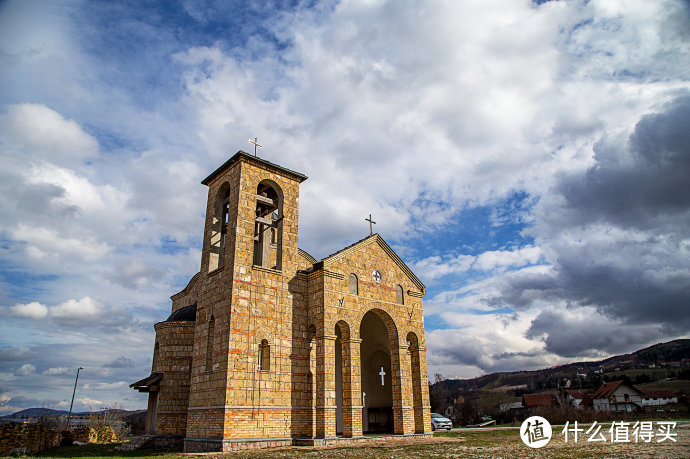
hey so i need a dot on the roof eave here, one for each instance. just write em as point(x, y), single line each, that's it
point(247, 157)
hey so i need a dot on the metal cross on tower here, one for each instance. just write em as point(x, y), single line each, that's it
point(370, 223)
point(256, 144)
point(382, 374)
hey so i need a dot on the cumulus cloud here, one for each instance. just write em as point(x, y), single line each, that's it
point(25, 370)
point(43, 133)
point(31, 310)
point(92, 404)
point(56, 371)
point(76, 309)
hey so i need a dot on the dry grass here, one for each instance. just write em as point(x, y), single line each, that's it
point(494, 443)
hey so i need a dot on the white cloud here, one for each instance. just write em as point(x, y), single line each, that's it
point(436, 266)
point(31, 310)
point(42, 133)
point(77, 309)
point(507, 258)
point(92, 404)
point(56, 371)
point(25, 370)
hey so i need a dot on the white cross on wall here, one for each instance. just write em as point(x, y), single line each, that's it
point(382, 374)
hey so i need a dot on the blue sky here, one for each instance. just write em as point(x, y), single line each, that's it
point(528, 160)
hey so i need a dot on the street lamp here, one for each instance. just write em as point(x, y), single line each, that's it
point(69, 417)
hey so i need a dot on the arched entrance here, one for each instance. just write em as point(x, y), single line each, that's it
point(379, 337)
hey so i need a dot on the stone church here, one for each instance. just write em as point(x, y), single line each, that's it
point(267, 346)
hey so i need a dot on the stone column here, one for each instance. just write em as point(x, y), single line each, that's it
point(325, 386)
point(426, 409)
point(403, 413)
point(352, 389)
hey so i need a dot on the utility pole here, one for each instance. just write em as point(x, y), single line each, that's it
point(69, 417)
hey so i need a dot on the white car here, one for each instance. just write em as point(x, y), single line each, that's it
point(440, 422)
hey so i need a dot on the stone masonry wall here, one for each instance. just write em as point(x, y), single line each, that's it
point(33, 437)
point(175, 341)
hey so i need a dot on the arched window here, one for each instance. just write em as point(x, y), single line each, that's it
point(219, 227)
point(399, 297)
point(268, 226)
point(354, 285)
point(209, 343)
point(264, 356)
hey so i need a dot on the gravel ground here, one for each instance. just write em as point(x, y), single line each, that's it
point(494, 443)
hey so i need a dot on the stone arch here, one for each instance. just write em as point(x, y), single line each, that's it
point(268, 225)
point(219, 227)
point(380, 373)
point(416, 376)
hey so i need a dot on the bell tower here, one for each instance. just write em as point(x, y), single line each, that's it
point(240, 359)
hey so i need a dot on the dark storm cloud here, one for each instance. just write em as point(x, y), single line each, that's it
point(642, 183)
point(572, 335)
point(617, 238)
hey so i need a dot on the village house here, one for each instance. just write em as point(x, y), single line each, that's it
point(267, 346)
point(533, 402)
point(615, 396)
point(575, 397)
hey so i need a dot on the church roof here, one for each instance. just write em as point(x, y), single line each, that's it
point(251, 158)
point(187, 313)
point(376, 238)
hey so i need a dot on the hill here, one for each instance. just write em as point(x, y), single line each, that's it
point(657, 363)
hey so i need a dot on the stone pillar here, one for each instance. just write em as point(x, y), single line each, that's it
point(426, 408)
point(325, 386)
point(403, 413)
point(352, 389)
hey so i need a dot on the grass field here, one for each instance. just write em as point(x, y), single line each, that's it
point(497, 442)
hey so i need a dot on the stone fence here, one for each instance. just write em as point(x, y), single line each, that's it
point(27, 438)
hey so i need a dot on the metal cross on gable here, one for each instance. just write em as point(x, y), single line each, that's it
point(256, 144)
point(370, 223)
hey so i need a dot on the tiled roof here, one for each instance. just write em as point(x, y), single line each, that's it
point(607, 389)
point(537, 400)
point(579, 393)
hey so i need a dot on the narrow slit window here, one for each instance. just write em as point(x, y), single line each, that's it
point(354, 285)
point(264, 356)
point(209, 343)
point(399, 297)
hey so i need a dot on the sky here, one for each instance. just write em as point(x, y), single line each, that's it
point(528, 160)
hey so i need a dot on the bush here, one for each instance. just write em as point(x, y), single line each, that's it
point(107, 425)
